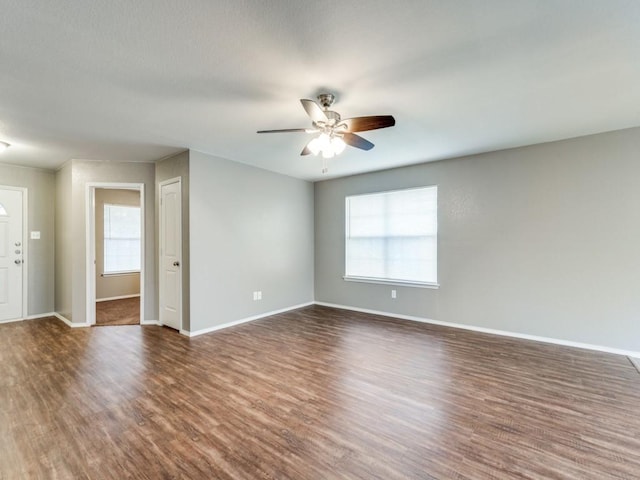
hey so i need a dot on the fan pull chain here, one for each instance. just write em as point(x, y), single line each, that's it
point(325, 165)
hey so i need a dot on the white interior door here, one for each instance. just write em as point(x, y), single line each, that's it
point(11, 254)
point(170, 255)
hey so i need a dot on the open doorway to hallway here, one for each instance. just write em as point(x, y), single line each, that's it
point(117, 244)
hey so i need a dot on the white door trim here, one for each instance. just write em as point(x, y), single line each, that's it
point(161, 184)
point(90, 210)
point(25, 247)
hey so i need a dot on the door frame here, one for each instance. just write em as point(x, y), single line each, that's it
point(161, 184)
point(90, 211)
point(25, 251)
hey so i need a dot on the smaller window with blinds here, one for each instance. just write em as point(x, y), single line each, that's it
point(392, 237)
point(121, 239)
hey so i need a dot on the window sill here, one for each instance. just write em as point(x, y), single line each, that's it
point(398, 283)
point(118, 274)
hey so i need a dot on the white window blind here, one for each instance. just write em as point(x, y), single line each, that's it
point(121, 239)
point(392, 236)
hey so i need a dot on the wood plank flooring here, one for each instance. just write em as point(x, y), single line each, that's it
point(124, 311)
point(316, 393)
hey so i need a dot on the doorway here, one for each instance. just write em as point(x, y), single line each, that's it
point(115, 247)
point(13, 253)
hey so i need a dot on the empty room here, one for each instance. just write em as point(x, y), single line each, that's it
point(320, 240)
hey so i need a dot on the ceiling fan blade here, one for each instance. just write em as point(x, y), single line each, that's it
point(357, 141)
point(305, 150)
point(361, 124)
point(285, 130)
point(314, 110)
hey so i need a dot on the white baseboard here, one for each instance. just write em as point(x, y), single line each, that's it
point(63, 319)
point(243, 320)
point(524, 336)
point(121, 297)
point(40, 315)
point(29, 317)
point(635, 361)
point(13, 320)
point(69, 323)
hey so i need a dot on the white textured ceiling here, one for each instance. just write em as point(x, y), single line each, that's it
point(137, 80)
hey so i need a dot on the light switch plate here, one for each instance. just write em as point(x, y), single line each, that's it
point(35, 235)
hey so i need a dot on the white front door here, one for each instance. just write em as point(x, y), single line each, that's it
point(170, 255)
point(11, 254)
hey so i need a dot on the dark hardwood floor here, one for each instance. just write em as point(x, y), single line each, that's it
point(316, 393)
point(124, 311)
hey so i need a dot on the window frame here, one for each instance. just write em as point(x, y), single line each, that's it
point(106, 273)
point(381, 280)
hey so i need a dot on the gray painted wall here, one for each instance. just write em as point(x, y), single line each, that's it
point(112, 285)
point(250, 230)
point(64, 242)
point(174, 167)
point(541, 240)
point(40, 186)
point(84, 172)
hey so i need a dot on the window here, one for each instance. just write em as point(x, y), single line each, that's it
point(391, 237)
point(121, 239)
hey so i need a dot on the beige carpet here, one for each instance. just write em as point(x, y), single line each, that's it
point(118, 312)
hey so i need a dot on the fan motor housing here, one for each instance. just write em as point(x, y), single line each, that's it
point(326, 100)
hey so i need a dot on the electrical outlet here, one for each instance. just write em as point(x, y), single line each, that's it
point(393, 294)
point(260, 295)
point(255, 295)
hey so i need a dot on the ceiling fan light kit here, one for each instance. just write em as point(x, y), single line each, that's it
point(334, 133)
point(329, 146)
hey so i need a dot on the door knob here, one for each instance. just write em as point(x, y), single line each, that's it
point(176, 264)
point(17, 261)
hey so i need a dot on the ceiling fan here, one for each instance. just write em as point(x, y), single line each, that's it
point(335, 133)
